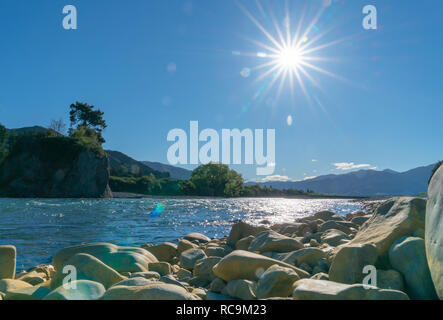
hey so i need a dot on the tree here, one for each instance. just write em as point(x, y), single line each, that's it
point(58, 126)
point(215, 179)
point(82, 115)
point(4, 133)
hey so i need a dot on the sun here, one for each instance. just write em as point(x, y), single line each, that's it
point(290, 58)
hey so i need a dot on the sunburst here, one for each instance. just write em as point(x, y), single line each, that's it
point(288, 57)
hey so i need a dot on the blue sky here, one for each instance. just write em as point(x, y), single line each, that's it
point(153, 66)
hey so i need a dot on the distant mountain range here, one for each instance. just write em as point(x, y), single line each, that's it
point(174, 172)
point(123, 165)
point(363, 183)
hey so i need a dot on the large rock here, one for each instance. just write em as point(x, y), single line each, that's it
point(344, 226)
point(244, 243)
point(434, 230)
point(189, 257)
point(241, 230)
point(311, 289)
point(390, 279)
point(121, 259)
point(408, 256)
point(334, 237)
point(197, 237)
point(184, 245)
point(78, 290)
point(160, 291)
point(7, 262)
point(28, 293)
point(305, 255)
point(7, 285)
point(87, 267)
point(298, 229)
point(163, 252)
point(391, 220)
point(240, 289)
point(347, 266)
point(276, 282)
point(271, 241)
point(57, 167)
point(247, 265)
point(204, 266)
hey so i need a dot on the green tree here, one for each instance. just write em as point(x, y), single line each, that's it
point(4, 134)
point(215, 179)
point(82, 115)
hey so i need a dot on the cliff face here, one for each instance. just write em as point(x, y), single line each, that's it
point(54, 167)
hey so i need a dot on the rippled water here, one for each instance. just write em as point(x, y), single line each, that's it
point(38, 228)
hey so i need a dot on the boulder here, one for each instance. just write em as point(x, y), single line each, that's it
point(163, 268)
point(299, 229)
point(275, 242)
point(347, 266)
point(360, 220)
point(344, 226)
point(197, 237)
point(28, 293)
point(244, 243)
point(7, 262)
point(87, 267)
point(121, 259)
point(189, 257)
point(434, 227)
point(171, 280)
point(276, 281)
point(217, 251)
point(7, 285)
point(33, 277)
point(311, 289)
point(324, 215)
point(390, 279)
point(391, 220)
point(334, 237)
point(354, 214)
point(247, 265)
point(184, 274)
point(408, 256)
point(217, 285)
point(305, 255)
point(241, 289)
point(136, 281)
point(149, 275)
point(163, 252)
point(77, 290)
point(184, 245)
point(320, 276)
point(241, 230)
point(160, 291)
point(204, 266)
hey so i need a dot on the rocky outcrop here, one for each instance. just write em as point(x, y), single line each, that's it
point(434, 230)
point(54, 167)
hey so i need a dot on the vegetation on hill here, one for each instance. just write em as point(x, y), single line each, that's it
point(437, 166)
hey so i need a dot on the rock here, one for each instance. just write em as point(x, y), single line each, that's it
point(121, 259)
point(390, 279)
point(201, 281)
point(201, 293)
point(7, 285)
point(171, 280)
point(217, 252)
point(408, 256)
point(360, 220)
point(241, 230)
point(133, 282)
point(347, 266)
point(189, 257)
point(160, 291)
point(305, 255)
point(54, 167)
point(78, 290)
point(149, 275)
point(306, 267)
point(320, 276)
point(184, 245)
point(354, 214)
point(244, 243)
point(275, 242)
point(46, 269)
point(33, 278)
point(324, 215)
point(204, 266)
point(217, 285)
point(184, 274)
point(197, 237)
point(163, 252)
point(247, 265)
point(7, 262)
point(87, 267)
point(344, 226)
point(419, 233)
point(314, 243)
point(391, 220)
point(163, 268)
point(215, 296)
point(297, 229)
point(310, 289)
point(334, 237)
point(276, 282)
point(434, 234)
point(241, 289)
point(28, 293)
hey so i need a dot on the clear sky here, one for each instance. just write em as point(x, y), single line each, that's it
point(153, 66)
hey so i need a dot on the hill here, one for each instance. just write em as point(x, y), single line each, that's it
point(122, 165)
point(174, 172)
